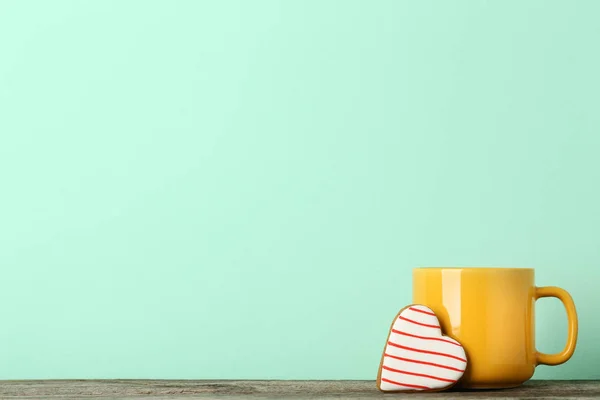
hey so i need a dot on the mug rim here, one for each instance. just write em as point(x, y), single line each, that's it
point(476, 268)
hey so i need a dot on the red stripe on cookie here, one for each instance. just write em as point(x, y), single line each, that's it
point(417, 323)
point(424, 337)
point(403, 384)
point(425, 351)
point(421, 311)
point(424, 362)
point(416, 374)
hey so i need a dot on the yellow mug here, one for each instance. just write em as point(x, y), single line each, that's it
point(490, 311)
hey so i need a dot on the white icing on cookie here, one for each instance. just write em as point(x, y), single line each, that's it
point(417, 356)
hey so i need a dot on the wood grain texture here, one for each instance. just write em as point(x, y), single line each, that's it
point(186, 389)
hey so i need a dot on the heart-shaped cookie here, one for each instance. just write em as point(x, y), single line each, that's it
point(417, 357)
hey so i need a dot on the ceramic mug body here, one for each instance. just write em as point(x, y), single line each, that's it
point(491, 312)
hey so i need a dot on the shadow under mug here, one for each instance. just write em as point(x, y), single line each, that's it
point(491, 312)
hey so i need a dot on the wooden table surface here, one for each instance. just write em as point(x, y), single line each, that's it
point(186, 389)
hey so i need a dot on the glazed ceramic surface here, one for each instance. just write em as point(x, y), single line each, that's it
point(490, 311)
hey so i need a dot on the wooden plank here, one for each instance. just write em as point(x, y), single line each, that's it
point(226, 389)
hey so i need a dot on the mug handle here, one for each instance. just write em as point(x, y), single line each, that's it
point(567, 300)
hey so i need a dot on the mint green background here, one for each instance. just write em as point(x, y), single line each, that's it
point(240, 189)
